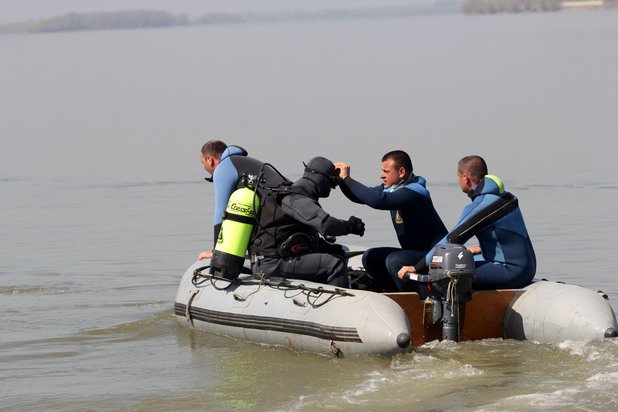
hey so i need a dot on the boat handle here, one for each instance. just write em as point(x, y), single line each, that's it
point(239, 297)
point(299, 302)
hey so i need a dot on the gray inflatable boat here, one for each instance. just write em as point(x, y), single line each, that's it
point(319, 318)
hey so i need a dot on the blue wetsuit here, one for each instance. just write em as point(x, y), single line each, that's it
point(508, 259)
point(417, 225)
point(233, 164)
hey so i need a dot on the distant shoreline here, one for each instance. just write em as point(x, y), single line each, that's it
point(138, 19)
point(532, 6)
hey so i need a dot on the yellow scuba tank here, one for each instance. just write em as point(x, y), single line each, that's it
point(235, 234)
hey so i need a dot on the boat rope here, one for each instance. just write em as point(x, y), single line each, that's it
point(188, 308)
point(451, 289)
point(319, 291)
point(238, 296)
point(312, 293)
point(451, 295)
point(287, 285)
point(212, 278)
point(335, 349)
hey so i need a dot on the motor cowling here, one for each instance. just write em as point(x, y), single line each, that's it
point(451, 264)
point(235, 234)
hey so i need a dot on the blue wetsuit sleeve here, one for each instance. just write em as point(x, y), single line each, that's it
point(225, 179)
point(347, 192)
point(377, 198)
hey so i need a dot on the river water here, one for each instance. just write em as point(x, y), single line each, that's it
point(103, 205)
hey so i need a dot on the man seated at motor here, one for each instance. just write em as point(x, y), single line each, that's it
point(417, 223)
point(286, 242)
point(506, 258)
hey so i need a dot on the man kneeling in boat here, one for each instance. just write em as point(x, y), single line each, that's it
point(286, 242)
point(508, 258)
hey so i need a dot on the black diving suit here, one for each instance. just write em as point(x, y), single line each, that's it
point(286, 242)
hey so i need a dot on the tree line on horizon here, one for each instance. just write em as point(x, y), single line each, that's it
point(128, 19)
point(521, 6)
point(134, 19)
point(509, 6)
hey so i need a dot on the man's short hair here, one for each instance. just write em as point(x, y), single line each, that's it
point(474, 166)
point(400, 158)
point(214, 148)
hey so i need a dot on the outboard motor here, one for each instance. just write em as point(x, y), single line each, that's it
point(450, 275)
point(450, 281)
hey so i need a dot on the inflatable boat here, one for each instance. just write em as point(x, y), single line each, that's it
point(319, 318)
point(301, 315)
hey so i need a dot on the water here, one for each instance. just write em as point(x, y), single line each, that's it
point(103, 205)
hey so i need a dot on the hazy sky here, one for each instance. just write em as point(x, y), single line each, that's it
point(12, 11)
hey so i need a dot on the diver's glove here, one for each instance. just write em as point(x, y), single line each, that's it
point(331, 248)
point(356, 226)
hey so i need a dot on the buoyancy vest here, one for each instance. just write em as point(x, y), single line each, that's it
point(275, 226)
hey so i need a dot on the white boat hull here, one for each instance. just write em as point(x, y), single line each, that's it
point(319, 318)
point(301, 315)
point(555, 312)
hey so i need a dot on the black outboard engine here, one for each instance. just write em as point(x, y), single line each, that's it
point(450, 279)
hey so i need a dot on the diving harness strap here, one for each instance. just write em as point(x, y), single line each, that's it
point(504, 205)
